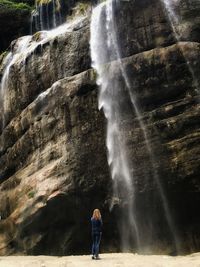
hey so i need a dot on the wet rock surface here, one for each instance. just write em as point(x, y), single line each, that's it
point(53, 163)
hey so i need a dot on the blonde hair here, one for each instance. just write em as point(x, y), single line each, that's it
point(96, 214)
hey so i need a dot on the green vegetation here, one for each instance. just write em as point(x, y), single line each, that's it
point(37, 36)
point(80, 9)
point(3, 54)
point(93, 75)
point(31, 194)
point(28, 2)
point(13, 5)
point(83, 7)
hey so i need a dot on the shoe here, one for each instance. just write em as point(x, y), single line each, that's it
point(97, 258)
point(93, 257)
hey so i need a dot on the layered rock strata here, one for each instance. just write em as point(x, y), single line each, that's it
point(53, 164)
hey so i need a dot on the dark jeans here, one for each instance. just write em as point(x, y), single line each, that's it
point(96, 238)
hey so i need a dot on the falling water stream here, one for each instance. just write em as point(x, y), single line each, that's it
point(102, 51)
point(23, 47)
point(175, 21)
point(106, 54)
point(11, 58)
point(46, 16)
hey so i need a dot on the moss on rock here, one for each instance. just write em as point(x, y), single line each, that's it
point(13, 5)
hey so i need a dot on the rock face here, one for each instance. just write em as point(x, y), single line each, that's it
point(52, 130)
point(14, 21)
point(53, 164)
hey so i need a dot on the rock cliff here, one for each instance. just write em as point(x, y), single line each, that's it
point(53, 163)
point(14, 21)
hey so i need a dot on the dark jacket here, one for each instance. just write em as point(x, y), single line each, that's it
point(96, 226)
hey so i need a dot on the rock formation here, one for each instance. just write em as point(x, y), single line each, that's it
point(14, 21)
point(53, 164)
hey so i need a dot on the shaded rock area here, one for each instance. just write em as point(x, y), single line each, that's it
point(62, 56)
point(51, 194)
point(53, 163)
point(172, 127)
point(52, 130)
point(14, 21)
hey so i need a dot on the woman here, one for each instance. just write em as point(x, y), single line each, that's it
point(96, 233)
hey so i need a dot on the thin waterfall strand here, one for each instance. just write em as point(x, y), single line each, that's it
point(23, 47)
point(113, 126)
point(144, 131)
point(117, 155)
point(174, 21)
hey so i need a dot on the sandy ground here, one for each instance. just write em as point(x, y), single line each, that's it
point(107, 260)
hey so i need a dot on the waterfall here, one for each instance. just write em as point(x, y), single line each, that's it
point(173, 17)
point(21, 49)
point(11, 58)
point(102, 52)
point(106, 58)
point(46, 16)
point(41, 16)
point(54, 14)
point(175, 22)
